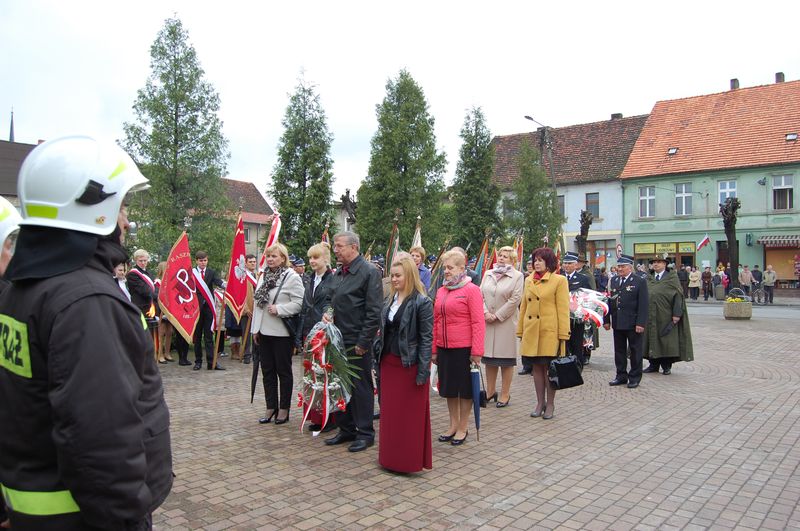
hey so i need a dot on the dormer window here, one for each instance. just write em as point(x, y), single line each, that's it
point(672, 151)
point(791, 137)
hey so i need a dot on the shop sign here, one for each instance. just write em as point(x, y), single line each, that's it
point(665, 248)
point(686, 247)
point(643, 248)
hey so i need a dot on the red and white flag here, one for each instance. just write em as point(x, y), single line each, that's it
point(705, 241)
point(236, 288)
point(272, 239)
point(178, 294)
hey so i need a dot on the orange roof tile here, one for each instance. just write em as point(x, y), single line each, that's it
point(740, 128)
point(245, 195)
point(584, 153)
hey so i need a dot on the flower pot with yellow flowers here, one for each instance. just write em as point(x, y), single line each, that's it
point(737, 306)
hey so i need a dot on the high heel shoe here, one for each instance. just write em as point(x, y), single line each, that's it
point(447, 438)
point(282, 421)
point(501, 403)
point(536, 414)
point(493, 397)
point(268, 419)
point(459, 442)
point(551, 415)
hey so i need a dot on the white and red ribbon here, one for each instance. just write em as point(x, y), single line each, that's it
point(207, 295)
point(147, 280)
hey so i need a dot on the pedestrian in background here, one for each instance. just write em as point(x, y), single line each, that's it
point(695, 281)
point(769, 279)
point(746, 280)
point(707, 283)
point(418, 255)
point(544, 325)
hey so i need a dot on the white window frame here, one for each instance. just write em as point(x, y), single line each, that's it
point(649, 201)
point(586, 200)
point(683, 199)
point(561, 203)
point(247, 235)
point(728, 191)
point(779, 182)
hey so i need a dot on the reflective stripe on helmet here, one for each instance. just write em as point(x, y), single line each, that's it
point(42, 211)
point(119, 169)
point(39, 503)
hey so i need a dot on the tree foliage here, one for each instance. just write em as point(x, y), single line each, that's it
point(177, 140)
point(302, 178)
point(405, 170)
point(534, 206)
point(475, 197)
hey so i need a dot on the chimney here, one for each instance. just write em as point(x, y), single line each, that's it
point(616, 116)
point(41, 141)
point(734, 84)
point(779, 77)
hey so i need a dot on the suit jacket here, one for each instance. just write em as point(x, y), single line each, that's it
point(577, 281)
point(630, 307)
point(141, 294)
point(357, 300)
point(212, 280)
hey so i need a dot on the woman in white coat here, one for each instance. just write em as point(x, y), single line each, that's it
point(279, 294)
point(502, 290)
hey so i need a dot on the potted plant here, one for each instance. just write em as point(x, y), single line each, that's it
point(737, 306)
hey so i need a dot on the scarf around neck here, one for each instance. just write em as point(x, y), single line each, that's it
point(261, 296)
point(500, 270)
point(458, 281)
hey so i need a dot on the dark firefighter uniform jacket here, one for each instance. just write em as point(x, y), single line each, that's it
point(85, 430)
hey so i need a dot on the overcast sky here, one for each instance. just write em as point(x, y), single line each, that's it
point(75, 67)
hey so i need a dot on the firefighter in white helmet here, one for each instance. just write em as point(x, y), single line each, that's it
point(85, 430)
point(9, 224)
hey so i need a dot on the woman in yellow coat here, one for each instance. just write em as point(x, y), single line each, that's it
point(544, 325)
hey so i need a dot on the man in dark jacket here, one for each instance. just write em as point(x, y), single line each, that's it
point(629, 316)
point(85, 443)
point(356, 300)
point(576, 281)
point(206, 279)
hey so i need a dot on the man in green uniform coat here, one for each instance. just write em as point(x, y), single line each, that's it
point(667, 336)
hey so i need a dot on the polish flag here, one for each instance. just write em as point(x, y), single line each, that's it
point(705, 241)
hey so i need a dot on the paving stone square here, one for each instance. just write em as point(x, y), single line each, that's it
point(713, 445)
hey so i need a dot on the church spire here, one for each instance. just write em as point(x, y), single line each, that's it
point(11, 131)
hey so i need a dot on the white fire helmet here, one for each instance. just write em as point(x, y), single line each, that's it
point(77, 183)
point(9, 219)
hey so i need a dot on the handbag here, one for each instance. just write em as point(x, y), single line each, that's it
point(292, 322)
point(565, 372)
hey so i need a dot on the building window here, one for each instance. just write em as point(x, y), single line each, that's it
point(247, 235)
point(561, 207)
point(726, 189)
point(647, 201)
point(683, 199)
point(782, 192)
point(593, 204)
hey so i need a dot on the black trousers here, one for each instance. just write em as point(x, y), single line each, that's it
point(356, 420)
point(663, 363)
point(628, 341)
point(204, 336)
point(769, 291)
point(276, 369)
point(181, 346)
point(575, 343)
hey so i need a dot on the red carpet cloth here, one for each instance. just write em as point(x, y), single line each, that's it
point(404, 443)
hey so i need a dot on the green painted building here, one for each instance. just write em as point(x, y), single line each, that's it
point(695, 152)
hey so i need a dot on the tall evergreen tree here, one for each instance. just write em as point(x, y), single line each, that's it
point(177, 139)
point(405, 170)
point(475, 197)
point(302, 178)
point(534, 207)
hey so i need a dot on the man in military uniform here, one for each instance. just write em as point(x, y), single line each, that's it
point(667, 337)
point(85, 441)
point(628, 315)
point(576, 281)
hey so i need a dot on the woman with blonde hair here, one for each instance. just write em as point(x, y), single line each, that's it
point(279, 294)
point(317, 297)
point(502, 290)
point(403, 353)
point(164, 326)
point(544, 325)
point(458, 339)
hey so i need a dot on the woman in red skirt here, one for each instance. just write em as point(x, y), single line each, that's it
point(404, 354)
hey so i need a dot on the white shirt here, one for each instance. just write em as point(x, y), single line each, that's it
point(123, 285)
point(317, 280)
point(394, 307)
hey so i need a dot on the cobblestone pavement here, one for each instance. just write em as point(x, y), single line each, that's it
point(715, 444)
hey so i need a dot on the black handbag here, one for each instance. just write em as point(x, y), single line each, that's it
point(565, 372)
point(292, 322)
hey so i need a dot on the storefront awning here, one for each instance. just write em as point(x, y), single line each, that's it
point(791, 240)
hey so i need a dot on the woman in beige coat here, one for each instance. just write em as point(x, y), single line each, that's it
point(544, 325)
point(502, 290)
point(695, 281)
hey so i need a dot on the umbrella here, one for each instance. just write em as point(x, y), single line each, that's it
point(254, 378)
point(476, 376)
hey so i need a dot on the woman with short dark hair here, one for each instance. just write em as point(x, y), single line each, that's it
point(544, 325)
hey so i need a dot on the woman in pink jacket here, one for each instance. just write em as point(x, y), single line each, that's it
point(458, 333)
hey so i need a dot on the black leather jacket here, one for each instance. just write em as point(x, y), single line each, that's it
point(356, 302)
point(315, 303)
point(416, 335)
